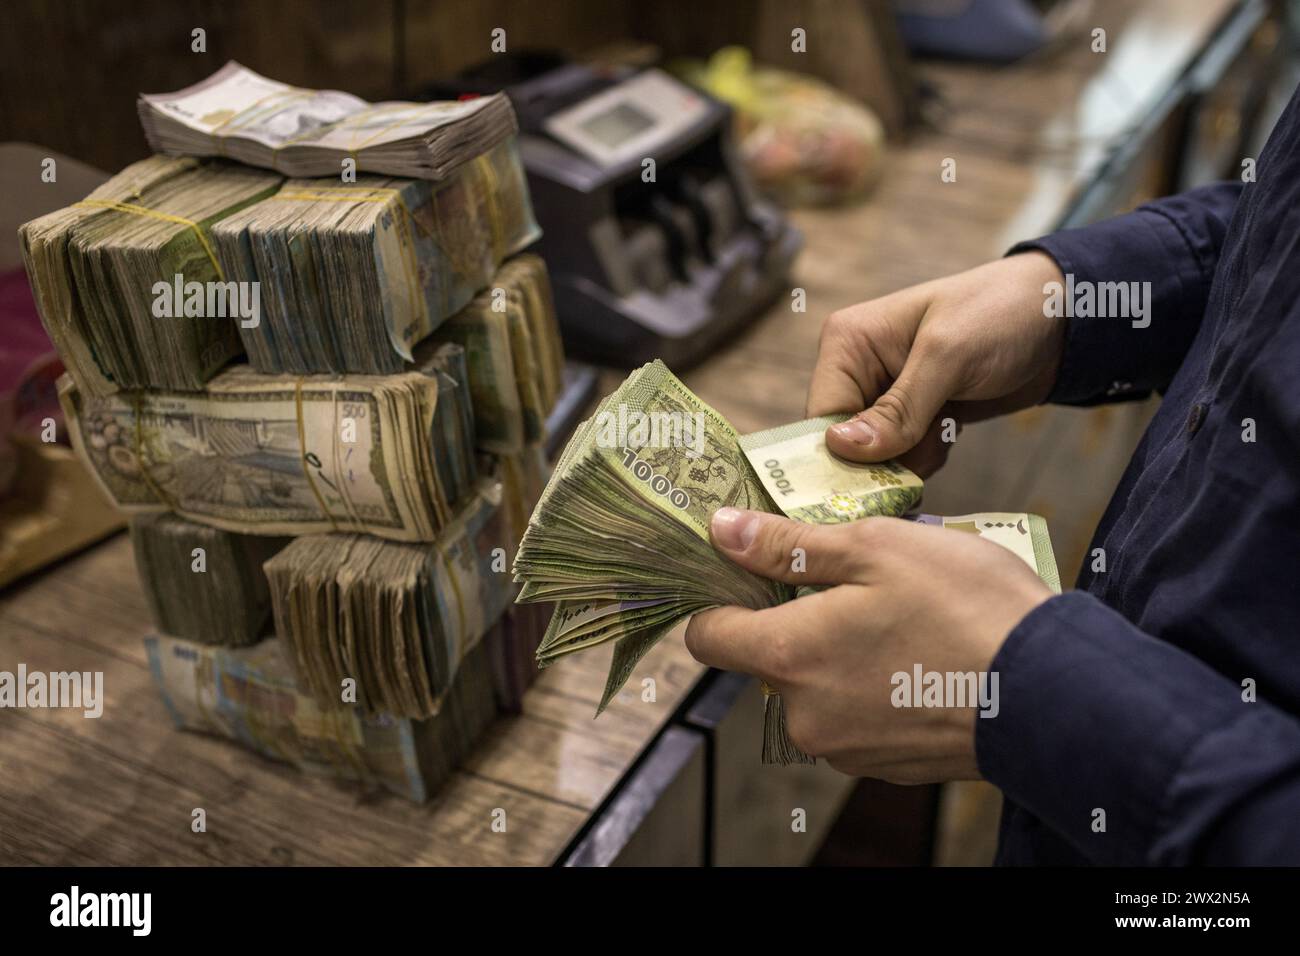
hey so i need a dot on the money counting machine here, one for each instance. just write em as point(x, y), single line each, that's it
point(641, 269)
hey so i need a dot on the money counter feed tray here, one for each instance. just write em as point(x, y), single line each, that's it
point(656, 245)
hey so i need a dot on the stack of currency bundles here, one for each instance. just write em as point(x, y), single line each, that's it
point(239, 114)
point(290, 455)
point(202, 583)
point(95, 268)
point(360, 483)
point(250, 695)
point(354, 274)
point(257, 692)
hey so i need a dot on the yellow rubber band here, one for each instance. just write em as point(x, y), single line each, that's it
point(155, 214)
point(294, 92)
point(220, 133)
point(380, 132)
point(137, 402)
point(491, 185)
point(315, 132)
point(302, 451)
point(354, 194)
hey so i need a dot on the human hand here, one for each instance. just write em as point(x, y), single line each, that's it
point(905, 594)
point(970, 346)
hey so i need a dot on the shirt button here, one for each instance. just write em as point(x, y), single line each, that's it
point(1195, 418)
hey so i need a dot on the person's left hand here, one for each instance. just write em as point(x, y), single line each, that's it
point(907, 594)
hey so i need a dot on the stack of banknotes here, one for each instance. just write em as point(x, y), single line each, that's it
point(396, 620)
point(323, 532)
point(515, 356)
point(95, 268)
point(239, 114)
point(619, 539)
point(289, 455)
point(251, 695)
point(451, 633)
point(202, 583)
point(354, 274)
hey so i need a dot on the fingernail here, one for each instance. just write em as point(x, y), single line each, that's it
point(856, 431)
point(734, 529)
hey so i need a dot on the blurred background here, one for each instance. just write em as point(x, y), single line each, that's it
point(875, 144)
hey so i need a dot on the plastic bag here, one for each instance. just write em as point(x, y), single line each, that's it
point(803, 142)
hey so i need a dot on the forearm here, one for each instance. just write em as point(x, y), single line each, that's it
point(1136, 289)
point(1135, 751)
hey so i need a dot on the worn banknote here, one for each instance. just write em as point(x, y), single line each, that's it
point(239, 114)
point(287, 455)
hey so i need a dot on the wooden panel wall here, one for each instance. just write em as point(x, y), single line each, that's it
point(70, 71)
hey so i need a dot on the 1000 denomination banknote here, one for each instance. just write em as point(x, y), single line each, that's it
point(809, 483)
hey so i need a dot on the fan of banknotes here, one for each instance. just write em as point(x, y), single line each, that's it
point(620, 536)
point(239, 114)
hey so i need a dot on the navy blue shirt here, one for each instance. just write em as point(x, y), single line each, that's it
point(1165, 691)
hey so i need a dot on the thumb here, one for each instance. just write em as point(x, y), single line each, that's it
point(791, 551)
point(899, 418)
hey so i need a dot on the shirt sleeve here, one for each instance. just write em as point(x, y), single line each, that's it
point(1173, 244)
point(1134, 751)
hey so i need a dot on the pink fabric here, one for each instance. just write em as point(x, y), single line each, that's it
point(29, 366)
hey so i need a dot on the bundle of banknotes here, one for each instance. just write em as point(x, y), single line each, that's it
point(239, 114)
point(392, 622)
point(251, 695)
point(95, 268)
point(290, 455)
point(202, 583)
point(353, 275)
point(620, 535)
point(515, 356)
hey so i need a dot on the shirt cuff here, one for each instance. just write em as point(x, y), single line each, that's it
point(1110, 358)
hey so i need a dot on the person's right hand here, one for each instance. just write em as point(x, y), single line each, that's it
point(968, 346)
